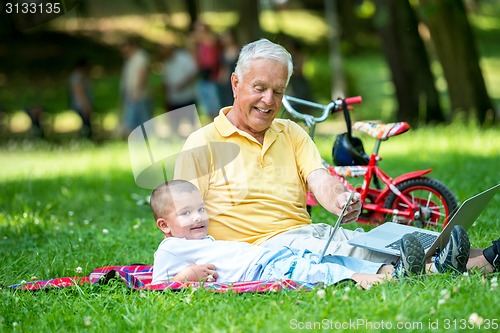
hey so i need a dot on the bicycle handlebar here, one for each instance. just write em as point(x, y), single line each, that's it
point(311, 120)
point(353, 100)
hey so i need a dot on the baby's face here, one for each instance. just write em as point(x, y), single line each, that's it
point(188, 218)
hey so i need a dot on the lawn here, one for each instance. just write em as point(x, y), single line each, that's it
point(66, 203)
point(64, 206)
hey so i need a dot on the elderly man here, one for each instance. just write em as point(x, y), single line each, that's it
point(256, 169)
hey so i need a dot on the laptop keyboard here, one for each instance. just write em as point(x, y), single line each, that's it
point(425, 239)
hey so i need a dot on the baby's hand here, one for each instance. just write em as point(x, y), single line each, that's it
point(198, 273)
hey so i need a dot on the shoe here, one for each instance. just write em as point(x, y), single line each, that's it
point(412, 257)
point(492, 254)
point(455, 254)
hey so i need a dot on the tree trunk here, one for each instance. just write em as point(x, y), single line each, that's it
point(405, 52)
point(192, 8)
point(455, 46)
point(249, 27)
point(335, 54)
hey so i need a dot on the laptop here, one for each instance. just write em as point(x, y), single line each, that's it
point(386, 237)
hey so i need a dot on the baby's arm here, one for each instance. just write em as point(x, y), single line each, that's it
point(169, 266)
point(204, 272)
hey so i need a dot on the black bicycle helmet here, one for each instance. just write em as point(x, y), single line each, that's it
point(348, 151)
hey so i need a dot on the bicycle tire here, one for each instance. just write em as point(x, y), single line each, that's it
point(437, 202)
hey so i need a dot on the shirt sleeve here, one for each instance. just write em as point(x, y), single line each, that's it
point(167, 265)
point(307, 155)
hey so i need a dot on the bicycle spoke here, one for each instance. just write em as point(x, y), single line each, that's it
point(429, 199)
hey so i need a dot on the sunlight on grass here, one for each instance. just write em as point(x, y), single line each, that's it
point(45, 161)
point(465, 158)
point(19, 122)
point(66, 121)
point(457, 138)
point(431, 142)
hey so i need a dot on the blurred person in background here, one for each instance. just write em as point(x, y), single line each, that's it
point(179, 76)
point(81, 100)
point(135, 97)
point(205, 46)
point(229, 57)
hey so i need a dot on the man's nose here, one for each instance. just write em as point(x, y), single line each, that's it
point(268, 97)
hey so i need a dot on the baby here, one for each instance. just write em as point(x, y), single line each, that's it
point(187, 253)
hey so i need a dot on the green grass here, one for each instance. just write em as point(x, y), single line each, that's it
point(56, 200)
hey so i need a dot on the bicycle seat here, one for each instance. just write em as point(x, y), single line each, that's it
point(381, 131)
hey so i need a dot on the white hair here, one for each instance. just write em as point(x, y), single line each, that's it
point(262, 49)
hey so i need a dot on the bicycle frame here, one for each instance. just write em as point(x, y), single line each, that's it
point(380, 195)
point(374, 199)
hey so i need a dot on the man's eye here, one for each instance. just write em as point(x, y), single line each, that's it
point(259, 88)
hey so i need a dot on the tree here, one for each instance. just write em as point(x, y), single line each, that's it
point(249, 27)
point(405, 52)
point(335, 54)
point(455, 45)
point(192, 8)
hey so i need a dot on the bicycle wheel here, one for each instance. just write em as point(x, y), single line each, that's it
point(434, 199)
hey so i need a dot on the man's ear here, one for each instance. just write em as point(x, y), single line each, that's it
point(162, 225)
point(234, 84)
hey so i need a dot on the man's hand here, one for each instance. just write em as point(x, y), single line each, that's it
point(197, 273)
point(333, 195)
point(354, 208)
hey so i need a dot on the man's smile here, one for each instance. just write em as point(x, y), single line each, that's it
point(262, 110)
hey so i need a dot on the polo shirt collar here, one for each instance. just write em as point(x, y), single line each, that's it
point(226, 128)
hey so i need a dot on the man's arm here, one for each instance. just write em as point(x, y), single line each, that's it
point(333, 195)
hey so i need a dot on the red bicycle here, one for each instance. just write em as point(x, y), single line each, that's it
point(411, 198)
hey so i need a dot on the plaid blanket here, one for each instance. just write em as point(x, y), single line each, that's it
point(139, 277)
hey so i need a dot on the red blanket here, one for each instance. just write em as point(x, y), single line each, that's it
point(139, 277)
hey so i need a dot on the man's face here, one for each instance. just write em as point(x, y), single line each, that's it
point(258, 96)
point(187, 218)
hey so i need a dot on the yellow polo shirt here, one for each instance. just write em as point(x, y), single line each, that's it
point(252, 191)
